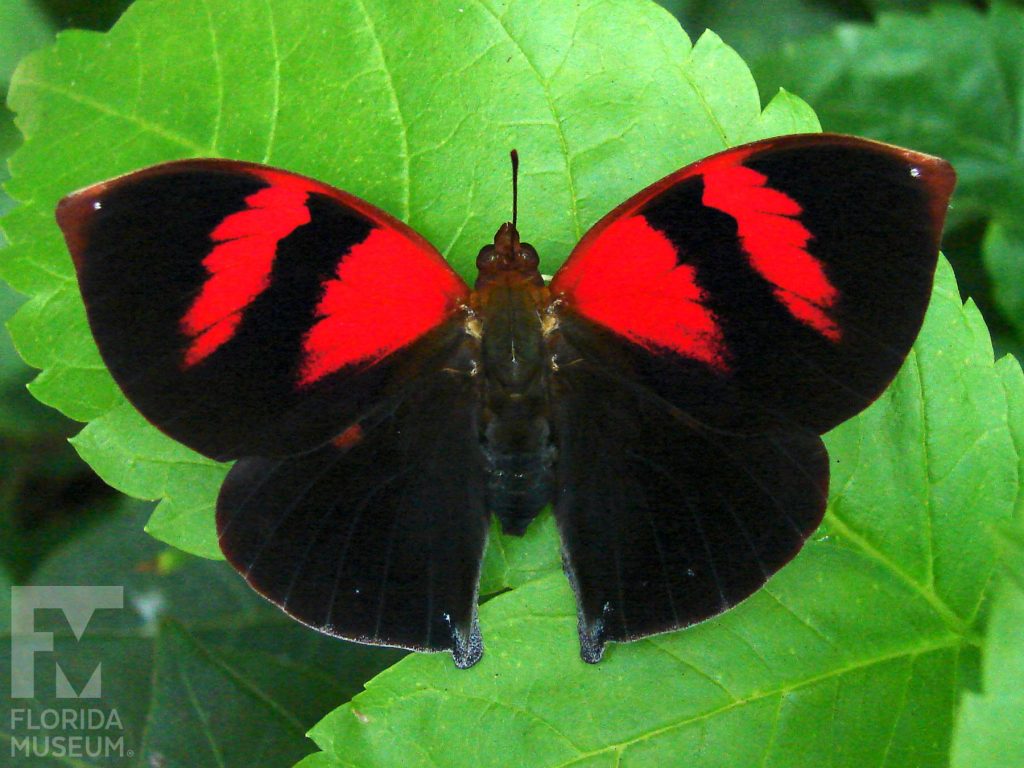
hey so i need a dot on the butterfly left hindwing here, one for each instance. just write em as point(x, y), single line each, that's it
point(377, 536)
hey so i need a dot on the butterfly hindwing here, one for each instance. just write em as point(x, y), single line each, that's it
point(377, 536)
point(783, 281)
point(664, 521)
point(246, 310)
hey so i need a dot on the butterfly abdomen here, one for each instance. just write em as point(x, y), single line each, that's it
point(515, 429)
point(518, 486)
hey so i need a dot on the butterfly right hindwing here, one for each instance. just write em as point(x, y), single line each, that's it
point(665, 521)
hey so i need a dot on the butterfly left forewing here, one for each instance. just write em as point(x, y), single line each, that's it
point(246, 310)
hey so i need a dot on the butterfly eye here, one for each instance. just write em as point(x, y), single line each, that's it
point(528, 258)
point(488, 259)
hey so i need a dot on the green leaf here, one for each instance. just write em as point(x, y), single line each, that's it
point(950, 82)
point(990, 729)
point(6, 582)
point(21, 417)
point(208, 712)
point(940, 435)
point(512, 560)
point(45, 494)
point(136, 459)
point(200, 669)
point(23, 27)
point(317, 760)
point(1013, 383)
point(1003, 254)
point(881, 607)
point(751, 30)
point(350, 105)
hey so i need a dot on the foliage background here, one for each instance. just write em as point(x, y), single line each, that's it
point(945, 78)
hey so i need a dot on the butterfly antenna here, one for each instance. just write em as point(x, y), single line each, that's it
point(515, 186)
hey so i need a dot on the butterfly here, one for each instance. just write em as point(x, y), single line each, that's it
point(665, 392)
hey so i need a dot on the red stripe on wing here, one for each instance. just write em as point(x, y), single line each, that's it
point(241, 262)
point(773, 238)
point(388, 291)
point(631, 281)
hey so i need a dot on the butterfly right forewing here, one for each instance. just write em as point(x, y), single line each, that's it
point(779, 282)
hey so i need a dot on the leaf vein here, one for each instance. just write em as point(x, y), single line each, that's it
point(947, 614)
point(275, 107)
point(945, 643)
point(218, 68)
point(147, 126)
point(403, 132)
point(898, 710)
point(204, 718)
point(546, 87)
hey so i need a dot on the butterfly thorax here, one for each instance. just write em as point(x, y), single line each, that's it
point(509, 301)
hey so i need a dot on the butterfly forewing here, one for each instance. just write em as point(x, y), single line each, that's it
point(789, 277)
point(249, 311)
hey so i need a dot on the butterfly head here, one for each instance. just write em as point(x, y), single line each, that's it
point(508, 256)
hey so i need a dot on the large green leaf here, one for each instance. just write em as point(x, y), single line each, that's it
point(990, 728)
point(22, 27)
point(200, 670)
point(950, 82)
point(853, 655)
point(46, 493)
point(425, 136)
